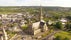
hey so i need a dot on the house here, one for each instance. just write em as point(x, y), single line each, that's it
point(23, 22)
point(63, 20)
point(50, 22)
point(13, 27)
point(4, 16)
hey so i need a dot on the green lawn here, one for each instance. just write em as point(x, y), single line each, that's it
point(63, 34)
point(24, 27)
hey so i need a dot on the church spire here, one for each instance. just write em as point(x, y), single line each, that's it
point(41, 13)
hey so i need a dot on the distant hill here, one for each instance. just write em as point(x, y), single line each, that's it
point(49, 9)
point(44, 7)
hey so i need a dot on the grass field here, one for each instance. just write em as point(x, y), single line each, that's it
point(63, 34)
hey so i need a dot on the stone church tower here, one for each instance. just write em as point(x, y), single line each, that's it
point(43, 25)
point(41, 13)
point(37, 27)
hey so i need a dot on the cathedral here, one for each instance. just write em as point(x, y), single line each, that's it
point(37, 27)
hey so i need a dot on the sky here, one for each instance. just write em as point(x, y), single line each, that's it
point(63, 3)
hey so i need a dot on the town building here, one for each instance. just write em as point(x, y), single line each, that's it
point(63, 20)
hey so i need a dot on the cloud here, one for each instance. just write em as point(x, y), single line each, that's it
point(8, 2)
point(66, 3)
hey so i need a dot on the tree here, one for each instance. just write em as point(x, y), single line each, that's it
point(59, 25)
point(68, 26)
point(25, 27)
point(68, 17)
point(58, 38)
point(66, 38)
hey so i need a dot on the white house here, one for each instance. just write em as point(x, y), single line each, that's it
point(63, 20)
